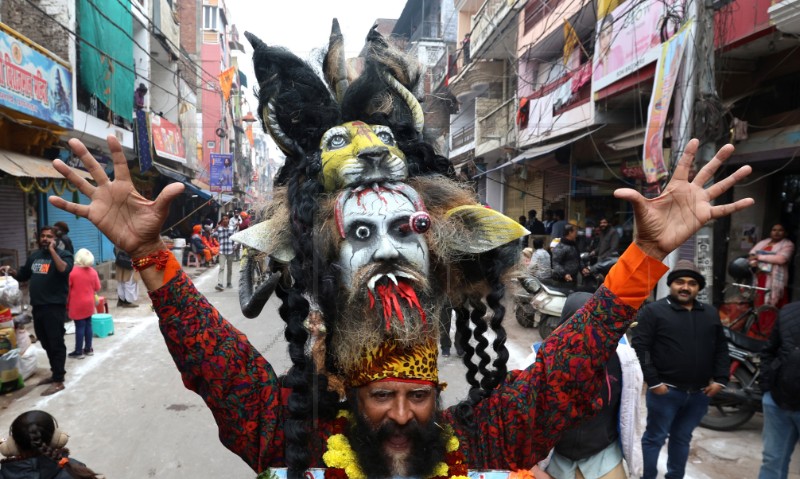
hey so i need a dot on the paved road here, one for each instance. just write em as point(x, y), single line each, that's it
point(129, 416)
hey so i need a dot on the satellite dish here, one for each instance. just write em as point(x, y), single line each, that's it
point(221, 132)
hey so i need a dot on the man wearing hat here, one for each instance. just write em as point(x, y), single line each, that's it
point(684, 357)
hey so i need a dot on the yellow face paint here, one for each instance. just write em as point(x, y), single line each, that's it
point(356, 153)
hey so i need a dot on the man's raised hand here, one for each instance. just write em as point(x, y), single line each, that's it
point(132, 222)
point(666, 222)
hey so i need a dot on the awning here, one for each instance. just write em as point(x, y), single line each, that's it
point(20, 165)
point(538, 151)
point(221, 197)
point(178, 176)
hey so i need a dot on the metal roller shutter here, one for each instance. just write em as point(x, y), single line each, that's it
point(523, 194)
point(82, 232)
point(556, 184)
point(12, 217)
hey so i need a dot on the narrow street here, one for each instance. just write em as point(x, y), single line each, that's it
point(129, 416)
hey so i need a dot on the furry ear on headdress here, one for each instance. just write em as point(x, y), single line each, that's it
point(484, 229)
point(293, 101)
point(9, 448)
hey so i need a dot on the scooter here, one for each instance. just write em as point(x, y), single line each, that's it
point(741, 399)
point(539, 303)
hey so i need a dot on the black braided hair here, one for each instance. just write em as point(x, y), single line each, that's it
point(500, 363)
point(464, 335)
point(33, 431)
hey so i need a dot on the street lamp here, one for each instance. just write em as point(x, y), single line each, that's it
point(249, 118)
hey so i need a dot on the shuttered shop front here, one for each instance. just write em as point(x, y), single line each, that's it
point(12, 217)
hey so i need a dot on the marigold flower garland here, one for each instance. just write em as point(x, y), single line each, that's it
point(342, 463)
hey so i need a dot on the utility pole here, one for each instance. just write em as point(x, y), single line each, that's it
point(697, 80)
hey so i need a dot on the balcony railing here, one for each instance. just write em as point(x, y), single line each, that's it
point(485, 21)
point(463, 136)
point(498, 124)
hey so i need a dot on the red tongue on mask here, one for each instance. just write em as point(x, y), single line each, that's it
point(390, 295)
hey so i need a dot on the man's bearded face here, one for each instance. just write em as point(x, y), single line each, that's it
point(384, 268)
point(373, 445)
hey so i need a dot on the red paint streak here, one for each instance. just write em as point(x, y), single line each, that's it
point(391, 296)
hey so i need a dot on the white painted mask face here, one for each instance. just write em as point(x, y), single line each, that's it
point(377, 230)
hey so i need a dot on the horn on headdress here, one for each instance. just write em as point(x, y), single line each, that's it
point(398, 72)
point(286, 144)
point(334, 66)
point(410, 99)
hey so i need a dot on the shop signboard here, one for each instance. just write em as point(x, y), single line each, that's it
point(33, 82)
point(627, 40)
point(221, 172)
point(167, 139)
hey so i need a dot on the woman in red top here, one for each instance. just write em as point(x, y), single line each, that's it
point(770, 257)
point(84, 283)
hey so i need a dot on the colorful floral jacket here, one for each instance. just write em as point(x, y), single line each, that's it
point(517, 424)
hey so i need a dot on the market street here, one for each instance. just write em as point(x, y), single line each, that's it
point(129, 416)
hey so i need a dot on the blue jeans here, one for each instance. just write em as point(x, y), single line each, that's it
point(780, 435)
point(674, 415)
point(83, 332)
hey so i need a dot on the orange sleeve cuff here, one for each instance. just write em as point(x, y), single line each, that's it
point(171, 268)
point(634, 276)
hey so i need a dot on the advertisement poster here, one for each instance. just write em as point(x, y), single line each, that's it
point(669, 62)
point(749, 236)
point(627, 39)
point(167, 139)
point(221, 172)
point(34, 83)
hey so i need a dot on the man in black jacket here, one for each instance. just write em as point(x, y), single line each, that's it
point(684, 358)
point(48, 270)
point(780, 370)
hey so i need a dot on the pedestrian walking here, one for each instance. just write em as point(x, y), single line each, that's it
point(606, 241)
point(64, 241)
point(48, 270)
point(225, 229)
point(36, 449)
point(84, 283)
point(567, 259)
point(684, 357)
point(127, 281)
point(780, 381)
point(539, 266)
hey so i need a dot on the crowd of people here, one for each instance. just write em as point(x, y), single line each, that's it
point(559, 259)
point(212, 243)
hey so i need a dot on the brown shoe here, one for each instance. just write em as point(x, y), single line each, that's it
point(46, 381)
point(53, 388)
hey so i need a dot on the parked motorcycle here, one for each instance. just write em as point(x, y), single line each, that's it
point(741, 399)
point(538, 304)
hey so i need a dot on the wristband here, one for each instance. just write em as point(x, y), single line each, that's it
point(162, 259)
point(158, 259)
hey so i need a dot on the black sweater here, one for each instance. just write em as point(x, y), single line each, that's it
point(681, 347)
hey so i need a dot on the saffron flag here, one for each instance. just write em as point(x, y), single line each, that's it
point(571, 40)
point(226, 81)
point(604, 7)
point(249, 133)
